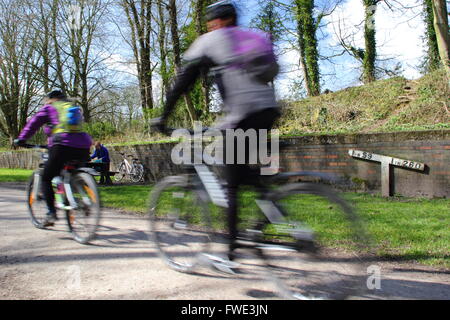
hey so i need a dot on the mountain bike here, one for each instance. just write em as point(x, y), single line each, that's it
point(76, 195)
point(283, 233)
point(134, 170)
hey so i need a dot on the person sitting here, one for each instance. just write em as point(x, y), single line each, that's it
point(102, 164)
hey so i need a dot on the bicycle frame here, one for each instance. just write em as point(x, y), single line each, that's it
point(66, 176)
point(270, 210)
point(129, 168)
point(127, 165)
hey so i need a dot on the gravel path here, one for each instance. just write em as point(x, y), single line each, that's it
point(123, 264)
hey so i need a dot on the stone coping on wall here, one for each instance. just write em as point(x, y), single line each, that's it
point(347, 138)
point(361, 138)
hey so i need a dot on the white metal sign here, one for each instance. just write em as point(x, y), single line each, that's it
point(414, 165)
point(387, 179)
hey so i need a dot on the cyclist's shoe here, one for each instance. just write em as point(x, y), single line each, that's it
point(50, 220)
point(221, 264)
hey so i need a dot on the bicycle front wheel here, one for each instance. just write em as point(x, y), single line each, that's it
point(37, 207)
point(310, 271)
point(121, 174)
point(179, 223)
point(83, 221)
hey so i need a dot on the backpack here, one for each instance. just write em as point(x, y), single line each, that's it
point(253, 52)
point(70, 118)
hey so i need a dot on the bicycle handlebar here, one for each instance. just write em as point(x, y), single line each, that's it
point(128, 156)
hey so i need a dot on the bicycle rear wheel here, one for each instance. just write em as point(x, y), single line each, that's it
point(305, 273)
point(37, 207)
point(84, 220)
point(179, 223)
point(137, 174)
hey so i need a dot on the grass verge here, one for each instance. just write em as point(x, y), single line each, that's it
point(404, 229)
point(14, 175)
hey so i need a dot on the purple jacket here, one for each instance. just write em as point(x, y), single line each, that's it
point(49, 115)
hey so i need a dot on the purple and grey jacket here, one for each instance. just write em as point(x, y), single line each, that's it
point(48, 115)
point(241, 93)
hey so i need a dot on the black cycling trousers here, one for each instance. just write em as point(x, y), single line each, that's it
point(59, 155)
point(239, 174)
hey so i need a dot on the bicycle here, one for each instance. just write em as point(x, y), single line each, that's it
point(134, 170)
point(77, 195)
point(181, 228)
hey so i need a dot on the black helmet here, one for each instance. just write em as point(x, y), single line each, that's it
point(56, 94)
point(221, 9)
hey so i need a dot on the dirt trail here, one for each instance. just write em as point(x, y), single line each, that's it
point(122, 264)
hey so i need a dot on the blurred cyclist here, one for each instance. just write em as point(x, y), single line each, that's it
point(66, 141)
point(249, 100)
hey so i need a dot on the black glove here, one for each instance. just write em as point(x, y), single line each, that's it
point(19, 142)
point(158, 124)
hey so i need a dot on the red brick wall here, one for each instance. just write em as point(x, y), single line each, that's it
point(323, 154)
point(330, 155)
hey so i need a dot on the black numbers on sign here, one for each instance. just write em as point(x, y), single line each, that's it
point(367, 155)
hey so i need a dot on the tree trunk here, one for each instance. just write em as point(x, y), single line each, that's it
point(58, 60)
point(433, 60)
point(19, 67)
point(442, 32)
point(306, 28)
point(173, 18)
point(200, 28)
point(302, 60)
point(370, 53)
point(163, 69)
point(141, 29)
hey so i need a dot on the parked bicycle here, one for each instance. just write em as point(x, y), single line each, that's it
point(182, 219)
point(76, 193)
point(134, 170)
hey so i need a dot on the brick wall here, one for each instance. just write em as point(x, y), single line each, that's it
point(330, 155)
point(327, 154)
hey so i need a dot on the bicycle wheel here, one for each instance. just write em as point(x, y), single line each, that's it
point(137, 174)
point(37, 207)
point(179, 223)
point(84, 220)
point(122, 172)
point(305, 273)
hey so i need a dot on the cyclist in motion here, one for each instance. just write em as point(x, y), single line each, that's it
point(249, 100)
point(66, 141)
